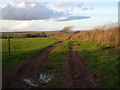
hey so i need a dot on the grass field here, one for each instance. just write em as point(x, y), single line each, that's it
point(22, 49)
point(101, 59)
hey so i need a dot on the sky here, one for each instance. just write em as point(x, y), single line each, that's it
point(49, 15)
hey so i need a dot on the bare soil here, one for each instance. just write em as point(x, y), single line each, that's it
point(81, 76)
point(29, 70)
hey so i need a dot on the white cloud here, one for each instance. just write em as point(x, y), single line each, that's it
point(36, 11)
point(68, 4)
point(24, 0)
point(22, 26)
point(85, 8)
point(29, 11)
point(21, 5)
point(73, 18)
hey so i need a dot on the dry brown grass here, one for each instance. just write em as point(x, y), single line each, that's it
point(108, 35)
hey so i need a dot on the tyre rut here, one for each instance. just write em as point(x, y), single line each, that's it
point(30, 69)
point(81, 76)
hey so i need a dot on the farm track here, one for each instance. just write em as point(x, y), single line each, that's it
point(81, 77)
point(30, 69)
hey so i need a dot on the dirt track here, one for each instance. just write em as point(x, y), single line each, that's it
point(29, 69)
point(81, 77)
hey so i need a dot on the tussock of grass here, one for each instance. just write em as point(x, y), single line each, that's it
point(102, 60)
point(22, 49)
point(55, 65)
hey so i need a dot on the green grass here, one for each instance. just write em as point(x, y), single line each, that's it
point(23, 48)
point(102, 60)
point(98, 58)
point(55, 65)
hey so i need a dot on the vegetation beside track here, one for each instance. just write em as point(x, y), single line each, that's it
point(22, 48)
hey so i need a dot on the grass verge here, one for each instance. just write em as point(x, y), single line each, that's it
point(101, 59)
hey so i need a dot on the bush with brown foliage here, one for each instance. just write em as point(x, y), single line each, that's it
point(65, 29)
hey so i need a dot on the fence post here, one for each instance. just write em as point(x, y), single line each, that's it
point(9, 45)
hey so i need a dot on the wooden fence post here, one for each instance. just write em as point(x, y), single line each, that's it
point(9, 45)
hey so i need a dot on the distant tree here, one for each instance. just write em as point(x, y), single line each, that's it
point(44, 34)
point(28, 35)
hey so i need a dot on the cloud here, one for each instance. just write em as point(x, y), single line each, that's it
point(63, 4)
point(68, 4)
point(69, 7)
point(29, 11)
point(79, 4)
point(91, 8)
point(24, 0)
point(21, 26)
point(41, 11)
point(73, 18)
point(85, 8)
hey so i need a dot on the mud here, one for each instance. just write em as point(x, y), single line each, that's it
point(81, 76)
